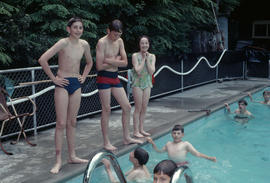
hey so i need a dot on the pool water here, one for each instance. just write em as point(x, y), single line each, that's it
point(242, 150)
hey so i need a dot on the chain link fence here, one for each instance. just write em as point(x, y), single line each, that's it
point(232, 65)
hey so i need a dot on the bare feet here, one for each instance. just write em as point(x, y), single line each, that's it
point(110, 147)
point(77, 160)
point(138, 135)
point(144, 133)
point(56, 168)
point(132, 141)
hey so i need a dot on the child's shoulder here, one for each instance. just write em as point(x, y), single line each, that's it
point(83, 42)
point(64, 40)
point(185, 142)
point(135, 54)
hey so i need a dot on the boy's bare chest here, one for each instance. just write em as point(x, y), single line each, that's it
point(176, 148)
point(74, 53)
point(112, 49)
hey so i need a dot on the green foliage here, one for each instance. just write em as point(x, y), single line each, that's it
point(227, 6)
point(6, 9)
point(30, 27)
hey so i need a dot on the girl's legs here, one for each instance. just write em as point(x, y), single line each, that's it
point(145, 100)
point(138, 96)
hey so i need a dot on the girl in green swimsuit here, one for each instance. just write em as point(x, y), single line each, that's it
point(143, 68)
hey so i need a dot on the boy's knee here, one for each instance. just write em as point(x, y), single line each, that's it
point(106, 109)
point(72, 123)
point(143, 110)
point(60, 125)
point(127, 108)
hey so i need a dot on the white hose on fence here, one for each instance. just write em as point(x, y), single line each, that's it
point(188, 72)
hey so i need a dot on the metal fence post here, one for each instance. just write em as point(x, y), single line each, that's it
point(34, 99)
point(217, 73)
point(244, 70)
point(128, 84)
point(182, 76)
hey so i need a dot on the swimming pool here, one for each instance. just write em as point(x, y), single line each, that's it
point(242, 150)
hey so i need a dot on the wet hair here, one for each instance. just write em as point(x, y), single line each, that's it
point(116, 25)
point(167, 167)
point(141, 155)
point(177, 128)
point(243, 102)
point(73, 20)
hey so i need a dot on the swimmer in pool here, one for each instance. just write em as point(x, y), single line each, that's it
point(266, 96)
point(178, 149)
point(139, 173)
point(164, 171)
point(242, 115)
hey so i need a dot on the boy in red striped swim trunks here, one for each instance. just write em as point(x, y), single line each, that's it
point(111, 54)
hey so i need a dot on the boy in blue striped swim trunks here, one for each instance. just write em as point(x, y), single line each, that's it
point(111, 54)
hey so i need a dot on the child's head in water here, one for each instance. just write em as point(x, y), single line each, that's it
point(266, 95)
point(242, 104)
point(139, 156)
point(163, 171)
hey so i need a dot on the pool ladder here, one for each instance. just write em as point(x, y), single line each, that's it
point(97, 159)
point(182, 170)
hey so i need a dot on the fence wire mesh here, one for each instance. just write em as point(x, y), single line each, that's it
point(164, 82)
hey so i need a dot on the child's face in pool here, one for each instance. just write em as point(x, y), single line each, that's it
point(177, 135)
point(266, 96)
point(161, 178)
point(242, 106)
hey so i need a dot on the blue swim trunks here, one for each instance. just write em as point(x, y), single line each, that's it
point(74, 84)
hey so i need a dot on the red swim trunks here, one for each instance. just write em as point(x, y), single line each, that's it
point(107, 79)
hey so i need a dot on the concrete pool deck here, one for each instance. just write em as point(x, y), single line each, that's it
point(32, 164)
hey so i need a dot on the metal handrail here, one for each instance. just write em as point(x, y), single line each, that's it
point(97, 159)
point(182, 170)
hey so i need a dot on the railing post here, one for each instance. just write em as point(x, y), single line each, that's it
point(34, 99)
point(217, 73)
point(129, 84)
point(244, 70)
point(182, 76)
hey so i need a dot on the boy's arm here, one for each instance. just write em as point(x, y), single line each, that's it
point(100, 57)
point(194, 152)
point(108, 170)
point(214, 159)
point(137, 67)
point(150, 140)
point(250, 96)
point(151, 62)
point(45, 57)
point(227, 107)
point(89, 62)
point(251, 99)
point(115, 61)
